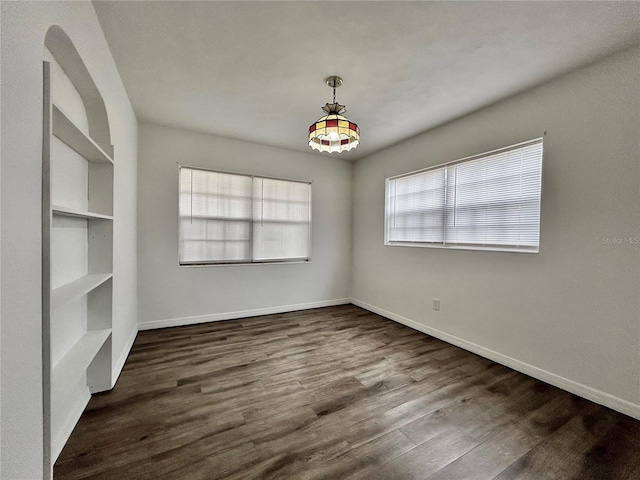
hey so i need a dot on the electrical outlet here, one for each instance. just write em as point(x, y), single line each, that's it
point(436, 304)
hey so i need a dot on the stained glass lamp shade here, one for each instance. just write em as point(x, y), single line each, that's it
point(334, 132)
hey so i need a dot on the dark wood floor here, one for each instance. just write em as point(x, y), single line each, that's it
point(336, 393)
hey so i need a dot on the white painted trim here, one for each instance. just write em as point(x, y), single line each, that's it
point(597, 396)
point(119, 365)
point(75, 412)
point(216, 317)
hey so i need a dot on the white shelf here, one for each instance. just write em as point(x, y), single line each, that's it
point(77, 288)
point(75, 362)
point(71, 212)
point(65, 130)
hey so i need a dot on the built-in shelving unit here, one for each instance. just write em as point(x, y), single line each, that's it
point(77, 234)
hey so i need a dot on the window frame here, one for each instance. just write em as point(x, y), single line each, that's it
point(223, 263)
point(462, 246)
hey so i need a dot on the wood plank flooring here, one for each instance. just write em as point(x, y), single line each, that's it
point(336, 393)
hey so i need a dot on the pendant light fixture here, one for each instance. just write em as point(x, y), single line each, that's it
point(334, 132)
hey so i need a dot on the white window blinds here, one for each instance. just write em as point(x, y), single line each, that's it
point(282, 219)
point(230, 218)
point(491, 201)
point(416, 207)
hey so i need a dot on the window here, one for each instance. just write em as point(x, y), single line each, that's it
point(489, 202)
point(230, 218)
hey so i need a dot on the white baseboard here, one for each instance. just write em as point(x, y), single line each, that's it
point(216, 317)
point(58, 443)
point(123, 356)
point(597, 396)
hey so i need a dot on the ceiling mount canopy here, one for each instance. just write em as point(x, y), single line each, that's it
point(334, 132)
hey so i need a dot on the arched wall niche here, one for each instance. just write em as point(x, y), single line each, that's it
point(65, 53)
point(77, 243)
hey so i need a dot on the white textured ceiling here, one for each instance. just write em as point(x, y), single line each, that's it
point(255, 70)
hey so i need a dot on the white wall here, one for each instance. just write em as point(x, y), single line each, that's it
point(570, 314)
point(24, 25)
point(171, 295)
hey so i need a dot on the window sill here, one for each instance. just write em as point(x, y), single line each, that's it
point(241, 264)
point(485, 248)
